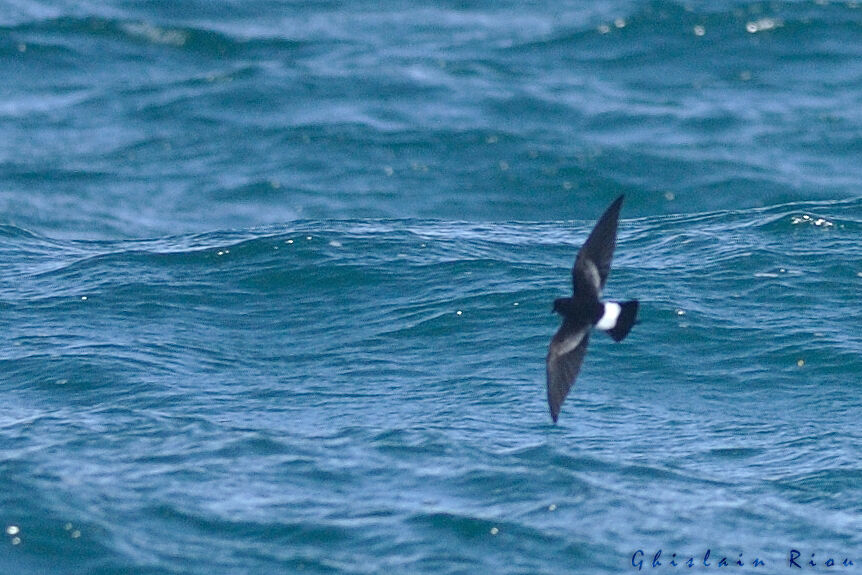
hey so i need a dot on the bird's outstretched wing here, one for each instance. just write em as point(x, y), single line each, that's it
point(597, 252)
point(565, 356)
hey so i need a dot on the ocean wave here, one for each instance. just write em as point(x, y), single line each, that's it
point(373, 384)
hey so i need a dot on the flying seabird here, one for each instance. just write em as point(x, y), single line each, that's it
point(585, 310)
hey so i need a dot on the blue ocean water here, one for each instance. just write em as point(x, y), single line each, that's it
point(276, 284)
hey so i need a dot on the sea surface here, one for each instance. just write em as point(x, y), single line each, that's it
point(276, 282)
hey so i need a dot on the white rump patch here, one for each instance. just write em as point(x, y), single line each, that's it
point(609, 318)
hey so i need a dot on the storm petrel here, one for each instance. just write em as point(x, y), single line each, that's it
point(585, 309)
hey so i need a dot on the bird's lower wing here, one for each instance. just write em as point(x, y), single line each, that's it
point(565, 356)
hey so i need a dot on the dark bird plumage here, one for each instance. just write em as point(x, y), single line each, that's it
point(585, 310)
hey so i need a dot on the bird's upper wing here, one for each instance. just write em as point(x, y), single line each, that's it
point(594, 260)
point(565, 356)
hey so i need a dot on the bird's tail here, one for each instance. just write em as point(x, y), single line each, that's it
point(625, 321)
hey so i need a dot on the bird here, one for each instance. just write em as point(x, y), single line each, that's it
point(585, 310)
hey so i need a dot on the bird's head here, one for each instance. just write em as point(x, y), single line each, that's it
point(560, 305)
